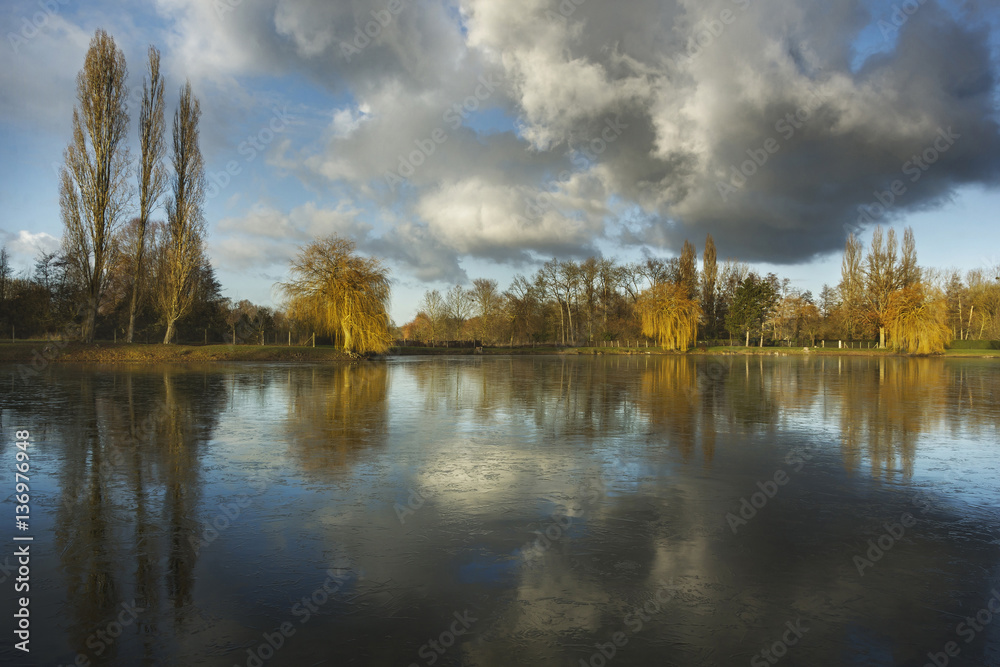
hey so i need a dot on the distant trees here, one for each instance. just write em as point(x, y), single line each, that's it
point(341, 293)
point(93, 191)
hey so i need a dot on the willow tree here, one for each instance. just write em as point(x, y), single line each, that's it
point(183, 239)
point(917, 322)
point(669, 314)
point(341, 294)
point(93, 189)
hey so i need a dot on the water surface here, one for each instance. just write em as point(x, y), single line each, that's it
point(511, 511)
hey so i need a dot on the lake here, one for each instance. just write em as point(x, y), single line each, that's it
point(556, 510)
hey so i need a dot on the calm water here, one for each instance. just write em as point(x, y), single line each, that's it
point(510, 511)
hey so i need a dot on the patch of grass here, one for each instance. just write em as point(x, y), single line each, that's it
point(139, 353)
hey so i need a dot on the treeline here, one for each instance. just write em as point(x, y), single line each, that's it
point(47, 300)
point(883, 295)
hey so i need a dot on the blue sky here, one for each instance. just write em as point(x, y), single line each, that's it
point(582, 128)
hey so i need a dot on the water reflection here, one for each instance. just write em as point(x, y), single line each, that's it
point(334, 414)
point(130, 488)
point(549, 498)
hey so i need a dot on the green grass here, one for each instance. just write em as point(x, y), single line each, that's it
point(27, 351)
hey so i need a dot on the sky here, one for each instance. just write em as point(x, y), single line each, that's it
point(460, 139)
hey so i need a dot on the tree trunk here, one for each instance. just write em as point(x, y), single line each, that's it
point(131, 311)
point(169, 336)
point(90, 320)
point(748, 338)
point(881, 338)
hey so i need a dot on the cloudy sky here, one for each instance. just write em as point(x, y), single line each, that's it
point(468, 138)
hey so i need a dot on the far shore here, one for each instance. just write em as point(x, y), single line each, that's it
point(41, 352)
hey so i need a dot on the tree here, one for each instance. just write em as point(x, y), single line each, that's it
point(435, 309)
point(882, 278)
point(827, 301)
point(151, 174)
point(909, 270)
point(709, 278)
point(94, 194)
point(5, 273)
point(916, 321)
point(687, 270)
point(733, 273)
point(752, 301)
point(460, 307)
point(341, 294)
point(669, 315)
point(851, 286)
point(183, 241)
point(488, 303)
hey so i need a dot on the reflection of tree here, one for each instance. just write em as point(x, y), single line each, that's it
point(669, 400)
point(885, 404)
point(336, 412)
point(563, 397)
point(130, 495)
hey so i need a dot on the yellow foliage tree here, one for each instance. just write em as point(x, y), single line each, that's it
point(917, 322)
point(341, 294)
point(669, 315)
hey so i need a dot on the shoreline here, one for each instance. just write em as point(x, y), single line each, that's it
point(44, 352)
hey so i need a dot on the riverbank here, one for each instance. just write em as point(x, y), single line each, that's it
point(53, 351)
point(35, 351)
point(721, 350)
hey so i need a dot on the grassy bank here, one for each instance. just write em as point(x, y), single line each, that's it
point(28, 351)
point(720, 350)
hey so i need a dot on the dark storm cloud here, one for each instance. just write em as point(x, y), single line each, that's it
point(698, 91)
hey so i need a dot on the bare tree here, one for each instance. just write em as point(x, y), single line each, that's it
point(852, 285)
point(882, 278)
point(436, 310)
point(151, 173)
point(459, 305)
point(489, 303)
point(184, 234)
point(94, 192)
